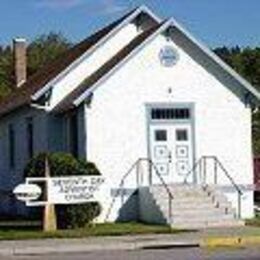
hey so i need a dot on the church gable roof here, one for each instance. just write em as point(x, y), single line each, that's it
point(68, 102)
point(81, 93)
point(34, 87)
point(35, 84)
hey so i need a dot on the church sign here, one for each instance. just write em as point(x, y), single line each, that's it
point(27, 192)
point(73, 190)
point(59, 190)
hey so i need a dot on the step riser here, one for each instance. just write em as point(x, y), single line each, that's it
point(192, 202)
point(190, 196)
point(195, 212)
point(205, 218)
point(209, 225)
point(188, 205)
point(180, 193)
point(221, 200)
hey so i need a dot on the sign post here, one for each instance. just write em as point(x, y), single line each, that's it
point(49, 215)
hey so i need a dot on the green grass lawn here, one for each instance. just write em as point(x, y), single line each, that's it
point(254, 222)
point(117, 229)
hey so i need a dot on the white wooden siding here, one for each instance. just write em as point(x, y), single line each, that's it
point(116, 121)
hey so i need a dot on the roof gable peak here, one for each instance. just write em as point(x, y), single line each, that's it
point(126, 19)
point(147, 10)
point(44, 80)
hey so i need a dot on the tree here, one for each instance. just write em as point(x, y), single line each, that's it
point(6, 71)
point(225, 54)
point(41, 51)
point(44, 49)
point(256, 132)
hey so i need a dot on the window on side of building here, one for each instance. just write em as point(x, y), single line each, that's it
point(29, 137)
point(11, 146)
point(73, 134)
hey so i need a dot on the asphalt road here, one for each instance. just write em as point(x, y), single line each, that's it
point(166, 254)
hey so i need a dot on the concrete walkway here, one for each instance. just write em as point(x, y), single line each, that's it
point(189, 239)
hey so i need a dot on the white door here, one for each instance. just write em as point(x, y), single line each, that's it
point(171, 150)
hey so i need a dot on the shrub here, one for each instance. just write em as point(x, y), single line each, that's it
point(63, 164)
point(75, 216)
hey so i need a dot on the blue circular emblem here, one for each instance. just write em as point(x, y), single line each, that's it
point(168, 56)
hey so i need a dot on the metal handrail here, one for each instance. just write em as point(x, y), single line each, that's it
point(160, 177)
point(136, 164)
point(120, 187)
point(228, 175)
point(239, 191)
point(192, 170)
point(217, 163)
point(170, 195)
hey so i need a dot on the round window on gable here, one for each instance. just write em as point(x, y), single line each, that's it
point(168, 56)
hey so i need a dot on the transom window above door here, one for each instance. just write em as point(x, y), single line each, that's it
point(170, 114)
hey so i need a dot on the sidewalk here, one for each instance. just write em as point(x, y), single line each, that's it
point(189, 239)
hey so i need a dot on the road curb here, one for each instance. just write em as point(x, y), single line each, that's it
point(59, 249)
point(230, 241)
point(82, 247)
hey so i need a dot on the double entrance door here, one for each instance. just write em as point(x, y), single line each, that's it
point(171, 148)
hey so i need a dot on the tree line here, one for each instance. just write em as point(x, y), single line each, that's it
point(47, 47)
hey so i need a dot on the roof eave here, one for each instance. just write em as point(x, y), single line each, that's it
point(171, 22)
point(50, 84)
point(218, 60)
point(91, 89)
point(206, 50)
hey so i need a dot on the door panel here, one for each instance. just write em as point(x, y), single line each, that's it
point(183, 151)
point(161, 154)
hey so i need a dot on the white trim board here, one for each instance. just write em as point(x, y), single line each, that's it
point(82, 97)
point(127, 20)
point(207, 51)
point(218, 60)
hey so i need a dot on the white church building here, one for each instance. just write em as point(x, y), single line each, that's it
point(165, 120)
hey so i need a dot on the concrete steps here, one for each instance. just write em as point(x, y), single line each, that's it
point(192, 207)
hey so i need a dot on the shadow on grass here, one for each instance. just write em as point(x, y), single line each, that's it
point(111, 229)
